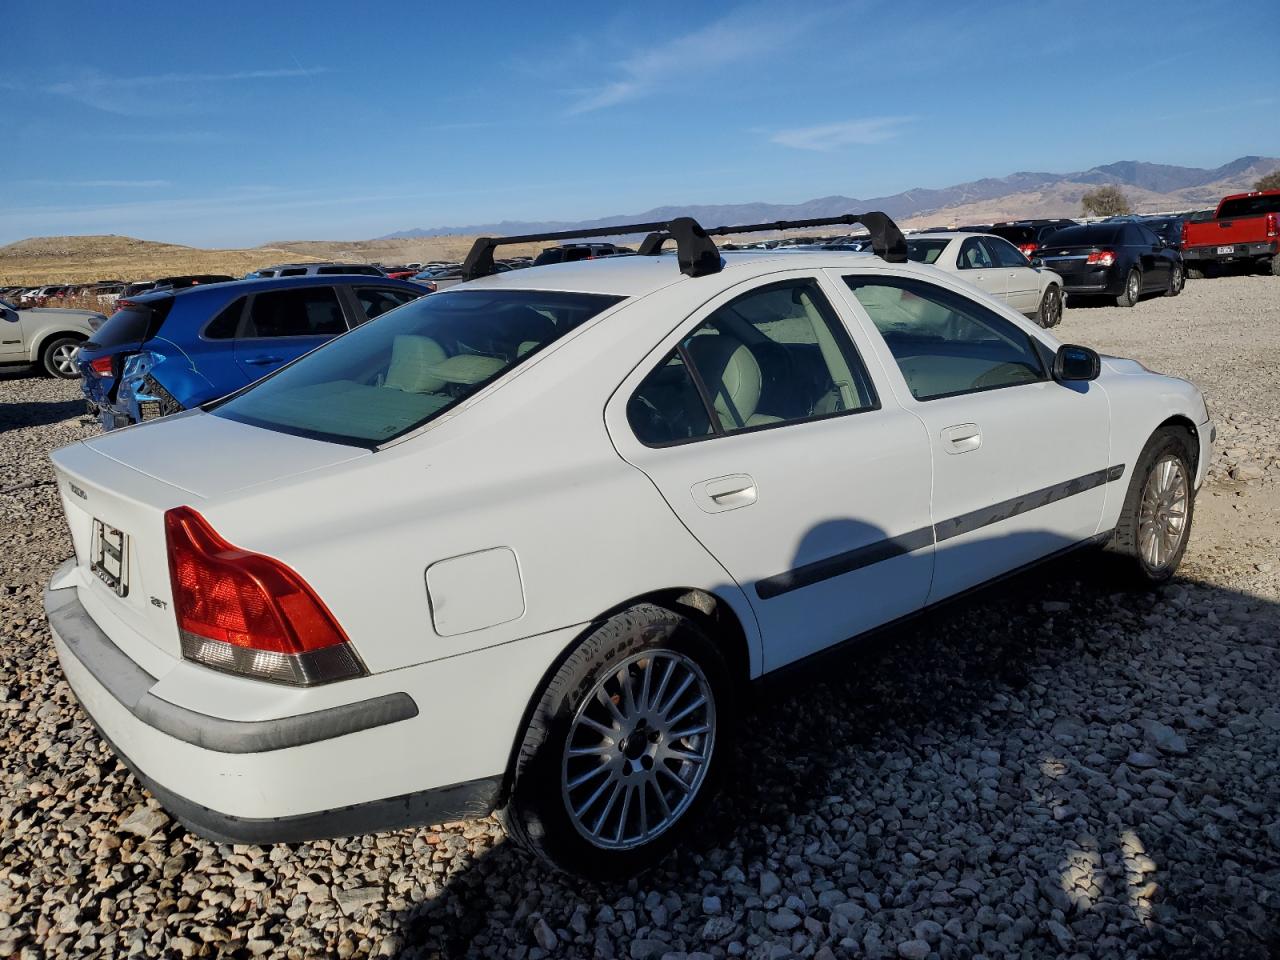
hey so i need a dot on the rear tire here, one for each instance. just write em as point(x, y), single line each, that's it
point(1275, 266)
point(1050, 312)
point(1176, 281)
point(1132, 290)
point(58, 358)
point(624, 818)
point(1155, 520)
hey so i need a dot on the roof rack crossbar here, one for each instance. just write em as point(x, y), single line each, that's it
point(887, 241)
point(697, 252)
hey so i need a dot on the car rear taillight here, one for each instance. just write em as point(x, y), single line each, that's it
point(246, 613)
point(100, 366)
point(1101, 258)
point(1271, 225)
point(1028, 249)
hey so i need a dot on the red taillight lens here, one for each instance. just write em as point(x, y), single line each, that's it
point(247, 613)
point(1271, 225)
point(1101, 258)
point(101, 366)
point(1028, 249)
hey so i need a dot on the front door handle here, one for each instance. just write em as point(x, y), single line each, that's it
point(262, 361)
point(962, 438)
point(725, 493)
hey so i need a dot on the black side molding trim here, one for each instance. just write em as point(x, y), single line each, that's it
point(1025, 503)
point(131, 686)
point(846, 562)
point(881, 550)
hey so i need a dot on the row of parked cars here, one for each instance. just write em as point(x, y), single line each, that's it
point(543, 532)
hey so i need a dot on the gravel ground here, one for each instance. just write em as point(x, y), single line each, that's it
point(1052, 769)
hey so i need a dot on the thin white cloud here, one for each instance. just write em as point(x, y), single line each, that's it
point(98, 184)
point(831, 136)
point(156, 93)
point(748, 32)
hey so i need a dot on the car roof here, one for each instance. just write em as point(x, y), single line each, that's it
point(256, 285)
point(637, 276)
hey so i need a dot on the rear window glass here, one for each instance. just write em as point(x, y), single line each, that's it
point(925, 251)
point(1083, 236)
point(306, 312)
point(358, 270)
point(134, 324)
point(1250, 206)
point(384, 379)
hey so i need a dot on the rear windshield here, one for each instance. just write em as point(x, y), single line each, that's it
point(1249, 206)
point(925, 251)
point(1087, 235)
point(351, 269)
point(394, 374)
point(135, 324)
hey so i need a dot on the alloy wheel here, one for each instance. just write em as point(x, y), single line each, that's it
point(63, 358)
point(1135, 287)
point(638, 749)
point(1162, 514)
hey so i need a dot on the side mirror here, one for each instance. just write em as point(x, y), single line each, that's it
point(1037, 262)
point(1073, 362)
point(10, 315)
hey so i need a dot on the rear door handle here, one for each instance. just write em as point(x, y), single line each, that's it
point(261, 361)
point(725, 493)
point(962, 438)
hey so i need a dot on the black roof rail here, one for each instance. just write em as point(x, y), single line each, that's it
point(696, 251)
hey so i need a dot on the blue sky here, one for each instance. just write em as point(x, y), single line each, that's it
point(237, 123)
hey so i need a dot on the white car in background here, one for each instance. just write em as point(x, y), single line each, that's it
point(524, 544)
point(996, 267)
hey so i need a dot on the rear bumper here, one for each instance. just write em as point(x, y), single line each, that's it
point(270, 772)
point(1239, 251)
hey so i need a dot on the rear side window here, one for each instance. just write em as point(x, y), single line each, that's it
point(946, 344)
point(773, 356)
point(375, 301)
point(308, 312)
point(975, 255)
point(225, 324)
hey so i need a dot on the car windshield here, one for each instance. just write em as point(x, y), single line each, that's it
point(926, 251)
point(394, 374)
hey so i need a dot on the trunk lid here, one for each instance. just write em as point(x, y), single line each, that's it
point(116, 489)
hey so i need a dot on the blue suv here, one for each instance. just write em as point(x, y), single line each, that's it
point(165, 352)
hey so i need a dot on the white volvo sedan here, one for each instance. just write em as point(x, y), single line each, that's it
point(996, 267)
point(522, 545)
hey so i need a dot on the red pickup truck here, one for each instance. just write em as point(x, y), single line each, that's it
point(1243, 228)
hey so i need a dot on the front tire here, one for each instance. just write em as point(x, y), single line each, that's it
point(1050, 312)
point(58, 358)
point(625, 748)
point(1176, 281)
point(1132, 290)
point(1155, 521)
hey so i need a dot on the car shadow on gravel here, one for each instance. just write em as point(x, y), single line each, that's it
point(982, 768)
point(38, 413)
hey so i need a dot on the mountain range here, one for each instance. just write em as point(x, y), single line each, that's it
point(1150, 187)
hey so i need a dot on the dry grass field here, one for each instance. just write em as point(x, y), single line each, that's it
point(88, 258)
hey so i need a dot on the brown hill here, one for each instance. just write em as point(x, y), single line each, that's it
point(85, 258)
